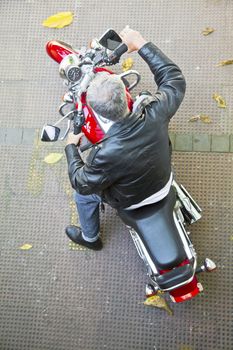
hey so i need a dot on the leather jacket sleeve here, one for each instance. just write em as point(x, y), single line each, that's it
point(85, 178)
point(169, 79)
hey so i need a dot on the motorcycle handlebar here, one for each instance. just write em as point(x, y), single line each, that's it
point(118, 52)
point(121, 49)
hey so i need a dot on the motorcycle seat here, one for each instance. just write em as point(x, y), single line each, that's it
point(156, 227)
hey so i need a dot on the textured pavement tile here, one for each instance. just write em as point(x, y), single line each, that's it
point(201, 142)
point(231, 143)
point(13, 136)
point(28, 136)
point(2, 136)
point(183, 142)
point(220, 143)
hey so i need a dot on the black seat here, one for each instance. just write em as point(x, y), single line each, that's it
point(155, 225)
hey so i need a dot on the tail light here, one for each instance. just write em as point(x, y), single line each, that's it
point(186, 292)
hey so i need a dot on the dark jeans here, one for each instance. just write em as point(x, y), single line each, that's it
point(88, 211)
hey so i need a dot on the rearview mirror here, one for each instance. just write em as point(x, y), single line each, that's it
point(110, 40)
point(50, 133)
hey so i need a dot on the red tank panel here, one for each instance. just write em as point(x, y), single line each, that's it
point(57, 50)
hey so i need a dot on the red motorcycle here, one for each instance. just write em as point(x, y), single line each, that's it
point(158, 230)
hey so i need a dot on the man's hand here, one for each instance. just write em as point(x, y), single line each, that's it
point(74, 139)
point(132, 39)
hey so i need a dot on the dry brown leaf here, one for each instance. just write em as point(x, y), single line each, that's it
point(224, 63)
point(59, 20)
point(26, 246)
point(220, 101)
point(207, 31)
point(159, 302)
point(205, 119)
point(53, 158)
point(127, 64)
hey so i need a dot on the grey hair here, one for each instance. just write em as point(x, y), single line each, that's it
point(106, 95)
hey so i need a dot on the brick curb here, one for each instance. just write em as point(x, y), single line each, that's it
point(182, 142)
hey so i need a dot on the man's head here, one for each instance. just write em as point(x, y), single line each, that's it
point(106, 95)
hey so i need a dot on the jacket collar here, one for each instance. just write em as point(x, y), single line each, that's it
point(129, 119)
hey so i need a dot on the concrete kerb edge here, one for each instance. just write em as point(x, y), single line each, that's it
point(181, 142)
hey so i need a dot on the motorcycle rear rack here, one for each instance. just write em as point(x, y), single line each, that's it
point(189, 207)
point(151, 268)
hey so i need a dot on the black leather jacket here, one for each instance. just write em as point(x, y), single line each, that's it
point(133, 161)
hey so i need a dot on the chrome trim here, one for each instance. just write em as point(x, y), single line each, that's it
point(66, 131)
point(63, 118)
point(189, 195)
point(142, 250)
point(129, 72)
point(185, 282)
point(178, 285)
point(60, 110)
point(183, 236)
point(187, 201)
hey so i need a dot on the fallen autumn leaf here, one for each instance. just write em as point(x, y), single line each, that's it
point(53, 158)
point(207, 31)
point(127, 64)
point(26, 246)
point(157, 301)
point(205, 119)
point(195, 118)
point(220, 101)
point(224, 63)
point(59, 20)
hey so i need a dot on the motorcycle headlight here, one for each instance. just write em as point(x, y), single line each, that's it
point(69, 68)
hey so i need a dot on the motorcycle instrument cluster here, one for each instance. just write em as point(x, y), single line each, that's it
point(69, 68)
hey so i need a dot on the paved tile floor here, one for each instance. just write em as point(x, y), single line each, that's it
point(54, 296)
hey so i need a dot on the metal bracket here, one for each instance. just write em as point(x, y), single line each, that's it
point(130, 72)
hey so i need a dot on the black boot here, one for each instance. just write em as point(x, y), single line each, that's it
point(75, 234)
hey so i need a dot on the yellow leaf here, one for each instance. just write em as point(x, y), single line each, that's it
point(59, 20)
point(26, 246)
point(194, 118)
point(220, 101)
point(127, 64)
point(205, 119)
point(53, 158)
point(159, 302)
point(225, 63)
point(207, 31)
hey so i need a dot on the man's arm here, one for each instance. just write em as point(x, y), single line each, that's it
point(85, 178)
point(167, 75)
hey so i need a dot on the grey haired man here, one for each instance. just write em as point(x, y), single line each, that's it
point(132, 167)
